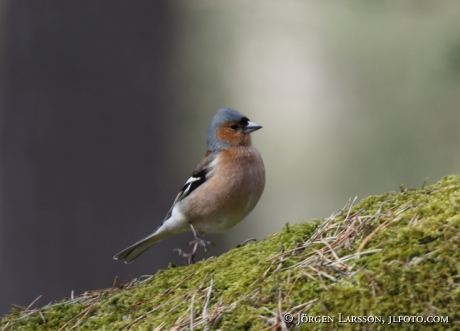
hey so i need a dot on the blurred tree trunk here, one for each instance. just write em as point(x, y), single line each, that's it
point(86, 91)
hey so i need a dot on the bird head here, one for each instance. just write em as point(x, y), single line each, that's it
point(229, 128)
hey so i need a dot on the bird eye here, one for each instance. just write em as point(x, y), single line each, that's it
point(234, 127)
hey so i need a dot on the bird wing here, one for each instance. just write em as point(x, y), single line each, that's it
point(199, 176)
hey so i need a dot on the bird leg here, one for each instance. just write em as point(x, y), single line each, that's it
point(198, 241)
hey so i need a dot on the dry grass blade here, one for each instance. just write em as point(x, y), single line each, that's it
point(88, 310)
point(292, 287)
point(377, 229)
point(6, 325)
point(331, 249)
point(414, 220)
point(191, 312)
point(261, 277)
point(179, 284)
point(208, 297)
point(304, 305)
point(280, 313)
point(38, 298)
point(42, 316)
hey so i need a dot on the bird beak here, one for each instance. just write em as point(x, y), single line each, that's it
point(251, 127)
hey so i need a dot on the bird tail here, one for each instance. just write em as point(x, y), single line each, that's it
point(133, 251)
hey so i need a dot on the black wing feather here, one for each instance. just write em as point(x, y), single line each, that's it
point(195, 180)
point(192, 184)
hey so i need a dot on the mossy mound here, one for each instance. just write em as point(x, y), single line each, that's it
point(390, 255)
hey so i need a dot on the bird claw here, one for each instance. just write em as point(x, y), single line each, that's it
point(198, 241)
point(203, 243)
point(189, 256)
point(178, 250)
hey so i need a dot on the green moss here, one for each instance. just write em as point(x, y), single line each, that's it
point(390, 255)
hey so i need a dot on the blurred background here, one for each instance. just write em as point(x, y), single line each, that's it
point(104, 107)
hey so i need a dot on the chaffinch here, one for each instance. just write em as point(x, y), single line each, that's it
point(224, 188)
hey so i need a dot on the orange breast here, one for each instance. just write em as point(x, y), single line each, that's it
point(235, 186)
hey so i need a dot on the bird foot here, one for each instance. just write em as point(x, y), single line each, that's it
point(198, 241)
point(190, 256)
point(201, 242)
point(195, 243)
